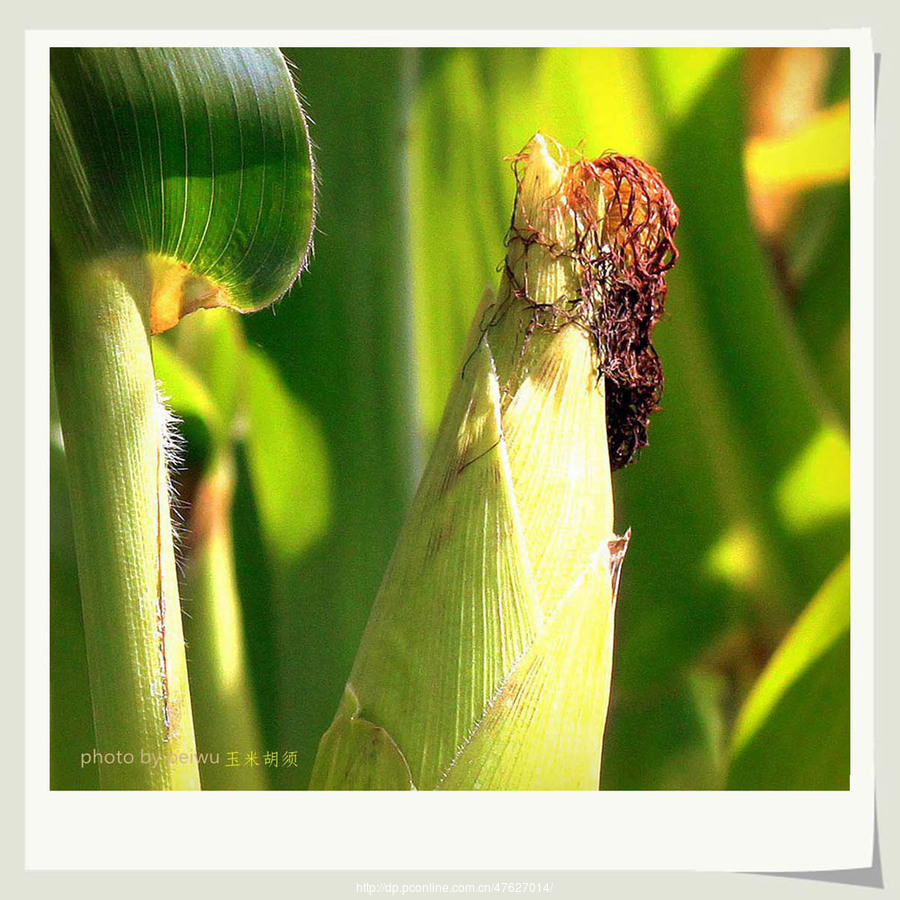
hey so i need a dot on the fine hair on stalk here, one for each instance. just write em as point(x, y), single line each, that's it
point(173, 450)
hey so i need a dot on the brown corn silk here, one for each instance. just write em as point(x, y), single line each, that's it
point(622, 261)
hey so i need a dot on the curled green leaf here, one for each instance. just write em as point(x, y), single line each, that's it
point(195, 160)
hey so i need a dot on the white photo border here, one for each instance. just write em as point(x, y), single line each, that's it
point(421, 831)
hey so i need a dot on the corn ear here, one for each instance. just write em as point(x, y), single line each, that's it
point(486, 662)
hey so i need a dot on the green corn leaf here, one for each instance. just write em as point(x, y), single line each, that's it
point(213, 346)
point(288, 461)
point(793, 732)
point(196, 159)
point(822, 308)
point(778, 408)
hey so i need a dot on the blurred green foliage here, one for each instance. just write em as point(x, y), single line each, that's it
point(740, 505)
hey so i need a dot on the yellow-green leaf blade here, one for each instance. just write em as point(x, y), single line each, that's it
point(288, 459)
point(804, 691)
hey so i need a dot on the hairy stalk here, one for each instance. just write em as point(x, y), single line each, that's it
point(113, 425)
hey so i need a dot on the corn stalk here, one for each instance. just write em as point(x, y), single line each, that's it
point(180, 179)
